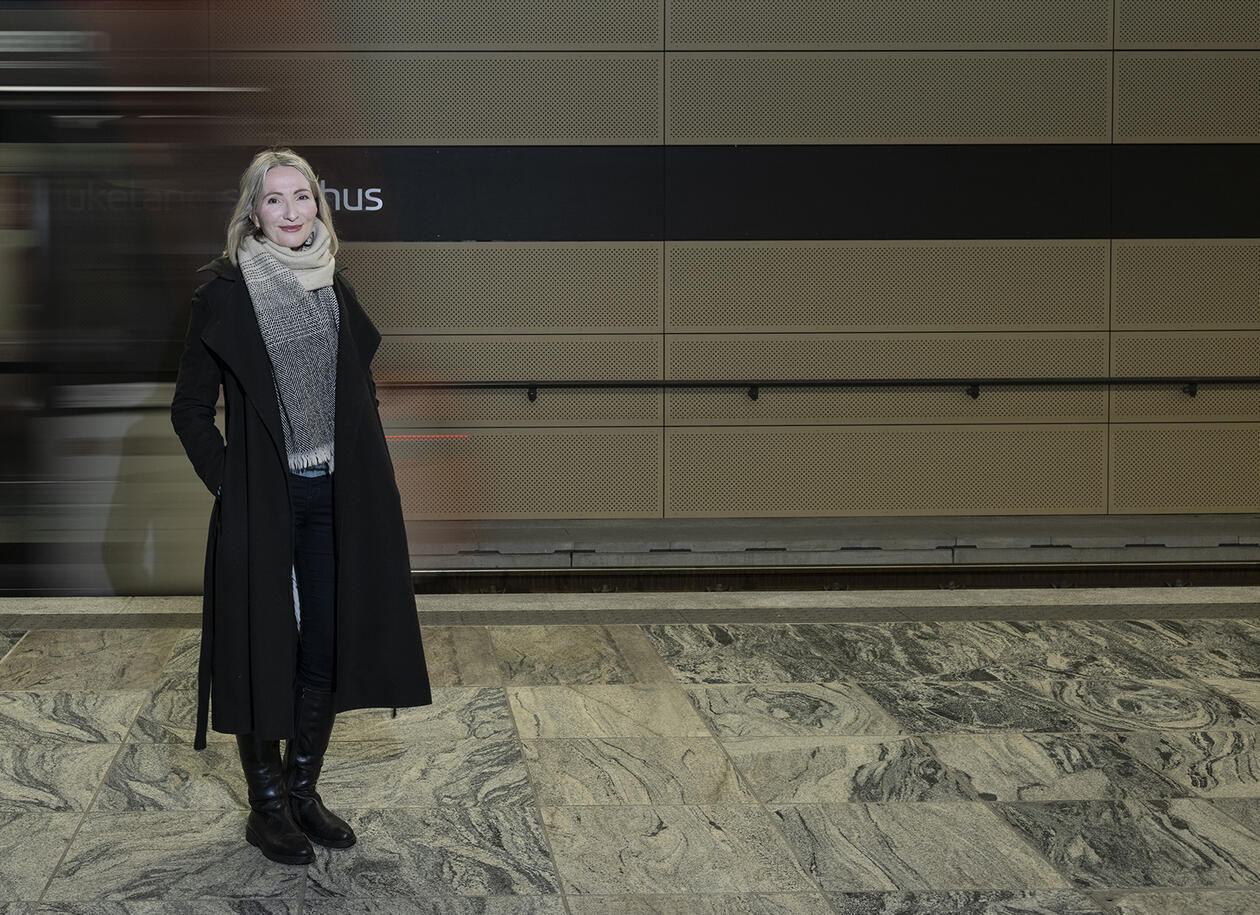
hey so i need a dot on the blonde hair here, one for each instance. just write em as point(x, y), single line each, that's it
point(253, 180)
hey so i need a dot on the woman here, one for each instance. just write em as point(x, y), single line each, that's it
point(308, 608)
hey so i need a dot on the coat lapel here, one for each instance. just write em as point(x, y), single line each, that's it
point(234, 336)
point(356, 345)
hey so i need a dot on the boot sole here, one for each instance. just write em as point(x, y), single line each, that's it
point(344, 843)
point(272, 856)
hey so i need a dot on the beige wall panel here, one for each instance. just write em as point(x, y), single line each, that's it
point(517, 357)
point(502, 287)
point(1182, 283)
point(1185, 352)
point(531, 473)
point(840, 356)
point(445, 97)
point(473, 25)
point(857, 97)
point(1187, 96)
point(1173, 468)
point(887, 24)
point(890, 470)
point(1212, 403)
point(1187, 23)
point(404, 408)
point(892, 285)
point(797, 406)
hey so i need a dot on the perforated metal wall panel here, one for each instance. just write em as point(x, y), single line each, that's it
point(894, 285)
point(530, 473)
point(519, 357)
point(1203, 467)
point(1187, 23)
point(797, 406)
point(818, 97)
point(875, 24)
point(1175, 283)
point(1189, 352)
point(787, 356)
point(1211, 403)
point(445, 97)
point(1187, 96)
point(497, 287)
point(381, 25)
point(403, 408)
point(888, 470)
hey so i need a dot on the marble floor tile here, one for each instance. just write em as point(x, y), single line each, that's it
point(1244, 810)
point(1245, 691)
point(1058, 706)
point(738, 653)
point(31, 844)
point(634, 770)
point(539, 655)
point(1049, 767)
point(169, 715)
point(77, 659)
point(1140, 705)
point(1037, 902)
point(169, 776)
point(1159, 635)
point(926, 846)
point(456, 712)
point(9, 638)
point(168, 855)
point(929, 707)
point(632, 710)
point(441, 850)
point(1236, 662)
point(173, 907)
point(1114, 844)
point(180, 669)
point(1058, 649)
point(791, 709)
point(899, 651)
point(697, 904)
point(460, 656)
point(640, 655)
point(817, 770)
point(671, 849)
point(29, 716)
point(1207, 763)
point(1203, 902)
point(431, 903)
point(465, 772)
point(51, 774)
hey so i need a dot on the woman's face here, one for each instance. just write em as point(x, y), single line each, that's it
point(286, 212)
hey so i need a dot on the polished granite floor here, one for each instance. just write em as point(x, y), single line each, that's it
point(945, 754)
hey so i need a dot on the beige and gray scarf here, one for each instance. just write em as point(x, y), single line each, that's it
point(298, 316)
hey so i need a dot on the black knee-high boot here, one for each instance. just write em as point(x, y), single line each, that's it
point(270, 826)
point(313, 723)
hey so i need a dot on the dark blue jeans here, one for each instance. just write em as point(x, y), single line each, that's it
point(315, 565)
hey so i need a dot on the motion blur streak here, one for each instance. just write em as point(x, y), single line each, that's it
point(112, 193)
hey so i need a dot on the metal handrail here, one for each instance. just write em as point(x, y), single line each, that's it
point(1189, 383)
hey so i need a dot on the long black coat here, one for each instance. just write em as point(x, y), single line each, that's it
point(249, 638)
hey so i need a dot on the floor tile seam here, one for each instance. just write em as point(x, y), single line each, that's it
point(537, 806)
point(761, 804)
point(83, 818)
